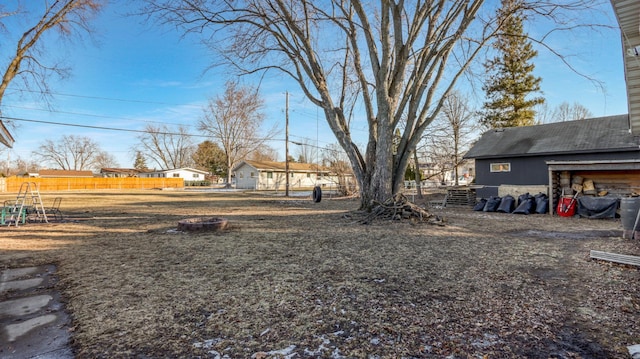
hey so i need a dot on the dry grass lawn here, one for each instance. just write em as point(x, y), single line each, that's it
point(295, 279)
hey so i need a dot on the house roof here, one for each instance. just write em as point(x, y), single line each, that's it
point(5, 136)
point(179, 169)
point(280, 166)
point(123, 170)
point(64, 173)
point(627, 13)
point(603, 134)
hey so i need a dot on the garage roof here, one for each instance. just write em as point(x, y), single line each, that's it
point(602, 134)
point(628, 14)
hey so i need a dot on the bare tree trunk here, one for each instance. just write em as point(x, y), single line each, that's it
point(229, 173)
point(418, 175)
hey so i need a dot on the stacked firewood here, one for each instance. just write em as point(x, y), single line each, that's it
point(399, 208)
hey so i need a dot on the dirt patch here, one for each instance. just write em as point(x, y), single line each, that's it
point(299, 279)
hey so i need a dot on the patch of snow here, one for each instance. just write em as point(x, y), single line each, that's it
point(336, 354)
point(207, 343)
point(286, 352)
point(323, 348)
point(487, 341)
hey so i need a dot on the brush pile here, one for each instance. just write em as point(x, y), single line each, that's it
point(398, 208)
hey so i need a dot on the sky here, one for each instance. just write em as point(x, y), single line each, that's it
point(132, 74)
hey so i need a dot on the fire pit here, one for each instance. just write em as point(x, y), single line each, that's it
point(202, 224)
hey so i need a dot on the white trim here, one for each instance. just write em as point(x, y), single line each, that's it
point(502, 167)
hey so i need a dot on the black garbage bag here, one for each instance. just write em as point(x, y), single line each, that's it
point(542, 203)
point(480, 205)
point(507, 204)
point(523, 197)
point(492, 204)
point(527, 206)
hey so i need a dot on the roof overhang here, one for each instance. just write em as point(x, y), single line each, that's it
point(5, 137)
point(628, 14)
point(598, 165)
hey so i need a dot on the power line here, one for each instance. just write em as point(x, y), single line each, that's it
point(304, 112)
point(96, 127)
point(308, 139)
point(111, 128)
point(94, 115)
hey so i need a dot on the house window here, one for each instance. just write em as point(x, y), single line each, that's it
point(269, 175)
point(196, 175)
point(308, 175)
point(292, 174)
point(253, 174)
point(241, 174)
point(176, 175)
point(501, 167)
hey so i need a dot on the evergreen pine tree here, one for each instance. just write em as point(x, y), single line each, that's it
point(509, 75)
point(140, 162)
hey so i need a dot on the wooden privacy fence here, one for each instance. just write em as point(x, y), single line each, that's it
point(12, 184)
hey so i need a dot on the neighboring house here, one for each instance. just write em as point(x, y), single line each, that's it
point(186, 173)
point(602, 149)
point(121, 172)
point(262, 175)
point(63, 173)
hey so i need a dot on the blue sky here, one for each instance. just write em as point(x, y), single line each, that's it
point(133, 74)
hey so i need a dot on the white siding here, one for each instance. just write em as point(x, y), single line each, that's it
point(186, 174)
point(628, 14)
point(244, 178)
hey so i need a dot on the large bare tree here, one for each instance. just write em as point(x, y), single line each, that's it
point(105, 159)
point(562, 112)
point(69, 153)
point(26, 57)
point(399, 57)
point(265, 153)
point(451, 134)
point(565, 112)
point(234, 120)
point(306, 151)
point(169, 149)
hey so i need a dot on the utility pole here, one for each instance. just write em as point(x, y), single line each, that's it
point(286, 146)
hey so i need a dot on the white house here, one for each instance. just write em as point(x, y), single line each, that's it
point(186, 173)
point(262, 175)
